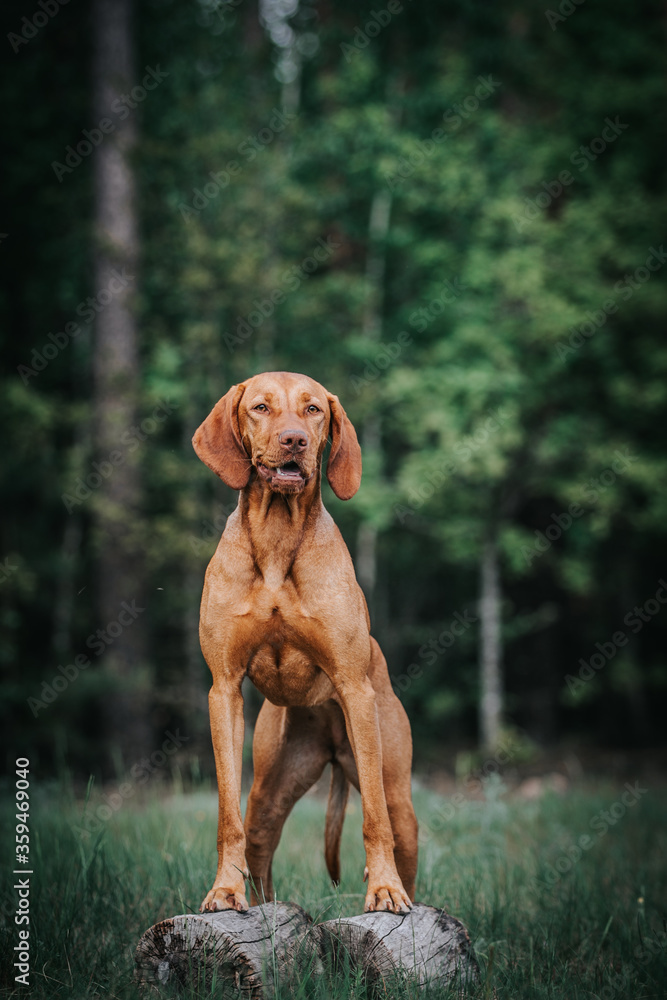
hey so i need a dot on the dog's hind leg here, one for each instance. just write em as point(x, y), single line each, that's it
point(289, 755)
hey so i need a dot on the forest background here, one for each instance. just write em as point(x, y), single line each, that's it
point(452, 216)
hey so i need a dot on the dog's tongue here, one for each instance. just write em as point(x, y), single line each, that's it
point(289, 471)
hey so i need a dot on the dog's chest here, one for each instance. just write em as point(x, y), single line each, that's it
point(287, 676)
point(281, 637)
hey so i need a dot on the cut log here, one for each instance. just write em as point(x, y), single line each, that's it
point(225, 952)
point(427, 945)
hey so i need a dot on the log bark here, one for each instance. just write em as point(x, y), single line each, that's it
point(426, 945)
point(224, 953)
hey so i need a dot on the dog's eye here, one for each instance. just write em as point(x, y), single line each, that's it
point(261, 408)
point(313, 409)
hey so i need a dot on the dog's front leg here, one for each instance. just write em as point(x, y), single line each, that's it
point(226, 711)
point(385, 889)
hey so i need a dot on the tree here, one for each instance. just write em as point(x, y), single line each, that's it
point(116, 373)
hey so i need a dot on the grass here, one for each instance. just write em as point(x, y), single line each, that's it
point(559, 902)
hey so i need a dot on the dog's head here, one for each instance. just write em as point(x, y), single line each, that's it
point(278, 424)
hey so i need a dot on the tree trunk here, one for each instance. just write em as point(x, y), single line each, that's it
point(426, 944)
point(378, 230)
point(490, 656)
point(276, 18)
point(117, 502)
point(367, 562)
point(63, 605)
point(229, 954)
point(366, 551)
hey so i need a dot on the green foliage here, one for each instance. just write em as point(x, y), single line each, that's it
point(532, 352)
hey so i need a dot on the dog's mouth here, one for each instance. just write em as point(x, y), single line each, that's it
point(288, 477)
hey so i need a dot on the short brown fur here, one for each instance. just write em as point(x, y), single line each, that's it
point(281, 605)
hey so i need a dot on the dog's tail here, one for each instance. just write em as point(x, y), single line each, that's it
point(339, 790)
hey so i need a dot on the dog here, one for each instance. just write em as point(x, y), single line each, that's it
point(281, 605)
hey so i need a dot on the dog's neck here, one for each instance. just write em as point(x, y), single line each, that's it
point(276, 523)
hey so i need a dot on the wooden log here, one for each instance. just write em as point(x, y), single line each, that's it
point(227, 952)
point(427, 945)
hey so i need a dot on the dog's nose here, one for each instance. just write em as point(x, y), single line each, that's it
point(294, 441)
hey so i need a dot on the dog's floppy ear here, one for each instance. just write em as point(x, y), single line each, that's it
point(218, 441)
point(344, 465)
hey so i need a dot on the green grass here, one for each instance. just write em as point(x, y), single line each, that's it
point(596, 930)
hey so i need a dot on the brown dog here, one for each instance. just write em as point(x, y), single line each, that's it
point(281, 605)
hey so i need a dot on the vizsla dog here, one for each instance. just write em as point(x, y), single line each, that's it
point(281, 605)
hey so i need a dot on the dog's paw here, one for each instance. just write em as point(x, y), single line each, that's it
point(386, 894)
point(220, 898)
